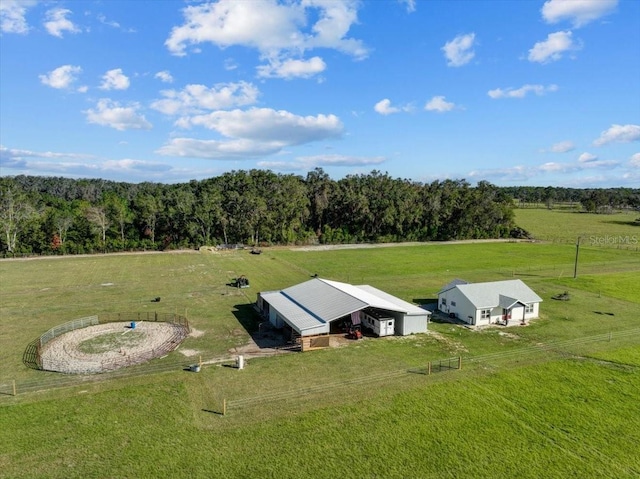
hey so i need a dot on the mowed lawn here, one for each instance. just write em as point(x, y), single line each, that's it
point(347, 412)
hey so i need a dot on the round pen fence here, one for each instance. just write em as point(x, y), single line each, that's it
point(109, 341)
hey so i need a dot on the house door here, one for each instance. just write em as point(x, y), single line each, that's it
point(506, 315)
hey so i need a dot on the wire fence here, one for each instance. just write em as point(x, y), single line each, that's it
point(563, 348)
point(67, 327)
point(32, 356)
point(432, 367)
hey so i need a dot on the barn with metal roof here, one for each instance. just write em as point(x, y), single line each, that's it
point(319, 306)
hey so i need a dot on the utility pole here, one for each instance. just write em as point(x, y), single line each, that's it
point(575, 268)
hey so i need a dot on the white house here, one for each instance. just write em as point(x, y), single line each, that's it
point(503, 302)
point(320, 306)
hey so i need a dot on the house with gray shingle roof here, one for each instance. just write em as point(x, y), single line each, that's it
point(496, 302)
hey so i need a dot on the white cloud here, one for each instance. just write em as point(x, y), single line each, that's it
point(57, 22)
point(635, 160)
point(199, 98)
point(459, 51)
point(618, 134)
point(164, 76)
point(514, 173)
point(253, 133)
point(114, 80)
point(219, 150)
point(563, 147)
point(267, 125)
point(411, 5)
point(522, 91)
point(6, 153)
point(587, 158)
point(439, 104)
point(310, 162)
point(580, 12)
point(292, 68)
point(230, 64)
point(13, 15)
point(110, 113)
point(83, 165)
point(229, 22)
point(132, 166)
point(110, 23)
point(384, 107)
point(552, 48)
point(61, 77)
point(585, 162)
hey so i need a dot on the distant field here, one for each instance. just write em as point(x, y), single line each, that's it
point(566, 225)
point(551, 399)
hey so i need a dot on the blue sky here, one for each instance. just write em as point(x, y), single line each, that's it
point(519, 92)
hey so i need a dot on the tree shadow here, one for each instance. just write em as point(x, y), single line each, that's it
point(623, 223)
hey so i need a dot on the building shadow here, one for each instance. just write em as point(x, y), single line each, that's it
point(262, 332)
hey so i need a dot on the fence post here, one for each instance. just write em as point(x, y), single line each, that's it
point(459, 362)
point(14, 387)
point(224, 407)
point(429, 368)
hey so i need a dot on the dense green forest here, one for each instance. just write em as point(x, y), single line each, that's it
point(45, 215)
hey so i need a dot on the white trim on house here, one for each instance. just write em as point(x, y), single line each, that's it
point(480, 304)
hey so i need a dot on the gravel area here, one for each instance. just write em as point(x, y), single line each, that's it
point(111, 346)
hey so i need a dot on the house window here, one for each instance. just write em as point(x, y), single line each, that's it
point(528, 308)
point(485, 314)
point(453, 303)
point(444, 300)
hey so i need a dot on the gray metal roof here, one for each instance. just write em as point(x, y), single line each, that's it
point(369, 298)
point(319, 301)
point(406, 307)
point(487, 295)
point(297, 315)
point(323, 299)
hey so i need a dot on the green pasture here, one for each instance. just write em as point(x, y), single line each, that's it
point(550, 399)
point(619, 229)
point(565, 418)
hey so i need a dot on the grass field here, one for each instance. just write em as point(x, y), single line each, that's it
point(566, 225)
point(553, 399)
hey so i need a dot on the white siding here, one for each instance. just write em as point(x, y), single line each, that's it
point(463, 309)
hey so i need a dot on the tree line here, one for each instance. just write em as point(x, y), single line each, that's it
point(47, 215)
point(591, 200)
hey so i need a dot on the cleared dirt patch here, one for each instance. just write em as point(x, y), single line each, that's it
point(111, 346)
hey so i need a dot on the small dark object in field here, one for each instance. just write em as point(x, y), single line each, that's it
point(256, 251)
point(156, 299)
point(315, 275)
point(562, 296)
point(241, 282)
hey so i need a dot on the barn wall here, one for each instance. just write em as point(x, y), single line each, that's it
point(412, 324)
